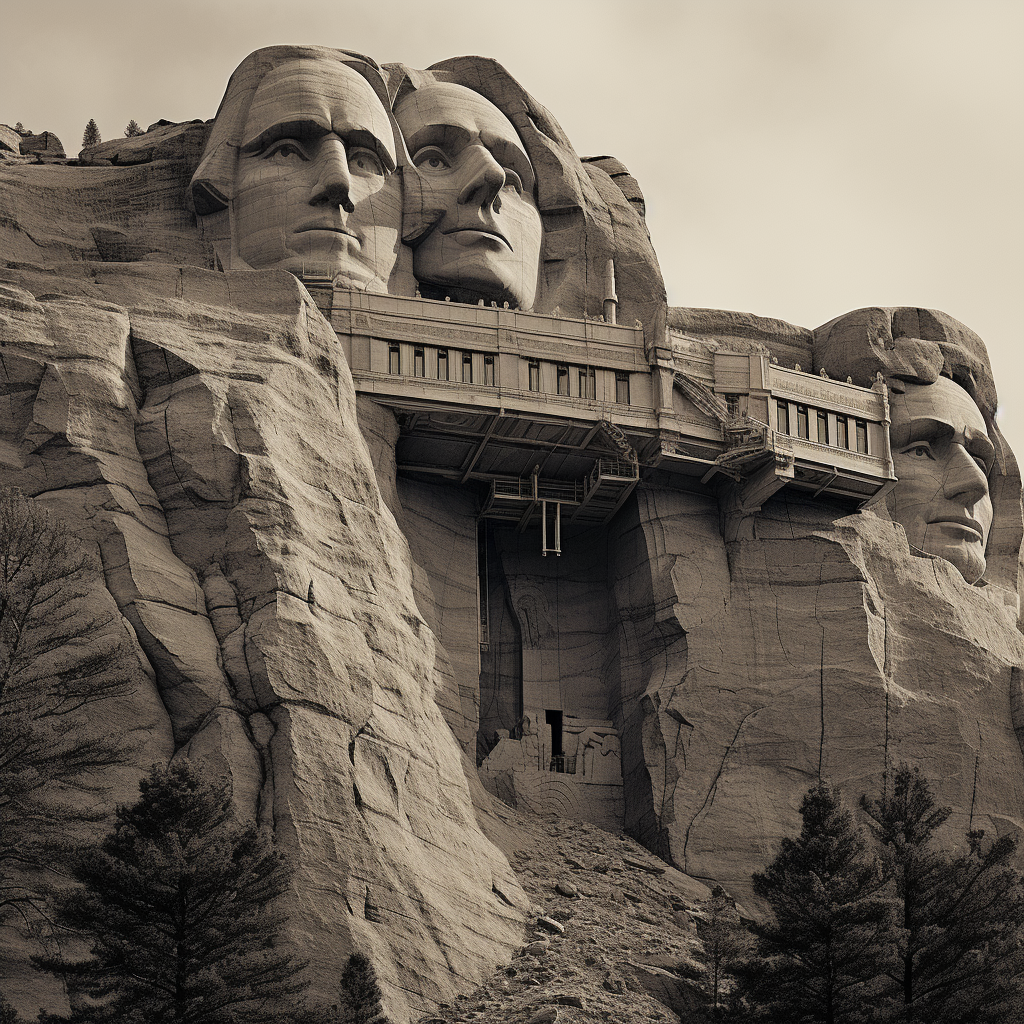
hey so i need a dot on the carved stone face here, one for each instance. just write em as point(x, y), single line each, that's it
point(475, 198)
point(314, 190)
point(943, 456)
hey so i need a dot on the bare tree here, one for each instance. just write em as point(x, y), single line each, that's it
point(53, 663)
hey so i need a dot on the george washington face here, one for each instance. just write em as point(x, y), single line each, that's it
point(314, 189)
point(943, 456)
point(476, 228)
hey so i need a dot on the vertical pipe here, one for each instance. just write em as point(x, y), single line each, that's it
point(611, 300)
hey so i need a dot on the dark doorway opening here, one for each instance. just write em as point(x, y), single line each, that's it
point(554, 719)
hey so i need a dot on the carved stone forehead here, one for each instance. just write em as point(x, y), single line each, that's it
point(326, 93)
point(448, 105)
point(942, 403)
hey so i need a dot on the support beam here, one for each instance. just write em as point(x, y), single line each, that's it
point(480, 448)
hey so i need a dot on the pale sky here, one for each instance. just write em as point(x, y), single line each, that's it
point(800, 158)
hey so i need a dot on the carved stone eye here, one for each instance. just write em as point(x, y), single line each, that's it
point(512, 180)
point(364, 162)
point(285, 149)
point(918, 451)
point(430, 158)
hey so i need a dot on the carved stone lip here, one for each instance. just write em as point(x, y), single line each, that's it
point(964, 522)
point(472, 233)
point(318, 226)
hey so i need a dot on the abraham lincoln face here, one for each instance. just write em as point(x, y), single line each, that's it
point(943, 456)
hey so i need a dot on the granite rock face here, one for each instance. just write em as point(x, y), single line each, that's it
point(340, 633)
point(201, 434)
point(813, 648)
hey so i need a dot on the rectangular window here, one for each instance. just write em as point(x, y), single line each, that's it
point(783, 416)
point(489, 371)
point(534, 375)
point(732, 405)
point(822, 427)
point(467, 368)
point(394, 359)
point(862, 436)
point(588, 382)
point(622, 387)
point(842, 440)
point(563, 379)
point(442, 364)
point(801, 421)
point(419, 368)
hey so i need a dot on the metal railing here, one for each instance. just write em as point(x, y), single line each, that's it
point(547, 490)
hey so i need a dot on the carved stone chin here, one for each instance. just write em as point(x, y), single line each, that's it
point(942, 455)
point(312, 188)
point(302, 158)
point(470, 207)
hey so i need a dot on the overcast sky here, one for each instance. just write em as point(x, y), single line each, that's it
point(800, 158)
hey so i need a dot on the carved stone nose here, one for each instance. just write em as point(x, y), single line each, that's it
point(484, 176)
point(333, 181)
point(964, 477)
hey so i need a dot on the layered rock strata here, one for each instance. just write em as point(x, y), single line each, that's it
point(199, 432)
point(816, 648)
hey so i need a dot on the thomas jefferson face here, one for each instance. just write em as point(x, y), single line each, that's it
point(314, 190)
point(943, 457)
point(475, 198)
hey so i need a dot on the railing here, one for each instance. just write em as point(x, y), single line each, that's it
point(618, 467)
point(547, 490)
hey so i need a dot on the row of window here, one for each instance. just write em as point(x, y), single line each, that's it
point(586, 381)
point(450, 369)
point(445, 366)
point(847, 429)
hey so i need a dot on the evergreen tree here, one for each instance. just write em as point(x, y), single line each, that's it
point(724, 943)
point(20, 129)
point(361, 997)
point(176, 906)
point(961, 950)
point(821, 958)
point(133, 129)
point(91, 136)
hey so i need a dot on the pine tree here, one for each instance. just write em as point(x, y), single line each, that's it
point(961, 951)
point(360, 993)
point(20, 129)
point(91, 136)
point(133, 129)
point(176, 906)
point(821, 958)
point(724, 942)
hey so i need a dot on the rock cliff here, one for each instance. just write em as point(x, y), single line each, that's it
point(294, 493)
point(199, 432)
